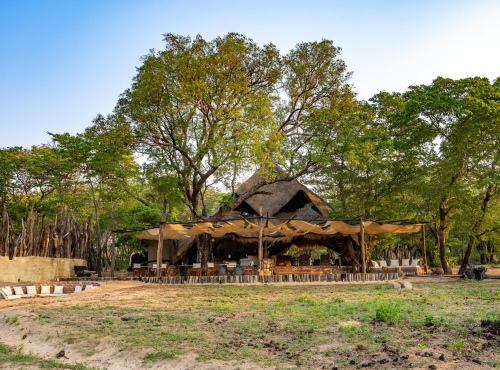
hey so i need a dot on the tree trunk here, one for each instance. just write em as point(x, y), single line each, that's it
point(441, 235)
point(261, 247)
point(483, 252)
point(98, 255)
point(4, 232)
point(113, 238)
point(424, 250)
point(203, 241)
point(352, 254)
point(475, 231)
point(204, 251)
point(468, 252)
point(362, 246)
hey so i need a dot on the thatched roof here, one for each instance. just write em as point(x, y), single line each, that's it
point(282, 198)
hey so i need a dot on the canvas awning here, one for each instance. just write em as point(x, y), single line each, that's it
point(249, 228)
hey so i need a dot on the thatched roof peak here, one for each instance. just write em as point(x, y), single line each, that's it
point(276, 193)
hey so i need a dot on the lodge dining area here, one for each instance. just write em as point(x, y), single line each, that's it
point(270, 234)
point(244, 266)
point(274, 268)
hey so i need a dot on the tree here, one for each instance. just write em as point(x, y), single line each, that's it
point(451, 128)
point(312, 109)
point(103, 160)
point(206, 110)
point(199, 108)
point(315, 102)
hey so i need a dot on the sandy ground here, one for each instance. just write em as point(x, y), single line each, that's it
point(43, 339)
point(107, 356)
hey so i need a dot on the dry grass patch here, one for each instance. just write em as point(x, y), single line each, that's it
point(283, 326)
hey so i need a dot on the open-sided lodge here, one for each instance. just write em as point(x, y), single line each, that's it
point(254, 236)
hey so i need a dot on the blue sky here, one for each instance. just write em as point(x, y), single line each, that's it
point(62, 62)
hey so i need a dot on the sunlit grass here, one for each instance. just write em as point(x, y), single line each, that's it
point(280, 324)
point(15, 357)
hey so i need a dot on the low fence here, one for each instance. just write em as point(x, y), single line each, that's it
point(291, 278)
point(37, 269)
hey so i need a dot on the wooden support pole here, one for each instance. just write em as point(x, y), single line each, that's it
point(424, 252)
point(362, 245)
point(159, 251)
point(261, 248)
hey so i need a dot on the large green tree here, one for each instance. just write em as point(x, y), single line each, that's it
point(205, 110)
point(199, 109)
point(451, 128)
point(312, 108)
point(103, 163)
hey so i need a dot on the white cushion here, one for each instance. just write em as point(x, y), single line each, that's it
point(18, 290)
point(88, 287)
point(375, 264)
point(382, 263)
point(137, 265)
point(163, 265)
point(196, 265)
point(58, 289)
point(155, 265)
point(405, 262)
point(4, 291)
point(78, 288)
point(31, 290)
point(8, 290)
point(12, 296)
point(45, 289)
point(394, 263)
point(414, 262)
point(210, 264)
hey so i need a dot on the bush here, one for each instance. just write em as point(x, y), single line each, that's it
point(388, 312)
point(430, 320)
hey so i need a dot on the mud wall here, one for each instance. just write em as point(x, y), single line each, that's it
point(37, 269)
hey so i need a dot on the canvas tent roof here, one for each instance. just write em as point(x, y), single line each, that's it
point(273, 228)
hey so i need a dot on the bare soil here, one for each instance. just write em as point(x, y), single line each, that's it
point(45, 339)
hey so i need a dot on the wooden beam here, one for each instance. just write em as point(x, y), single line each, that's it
point(159, 251)
point(362, 245)
point(424, 252)
point(261, 248)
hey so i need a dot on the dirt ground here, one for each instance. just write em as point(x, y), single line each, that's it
point(42, 339)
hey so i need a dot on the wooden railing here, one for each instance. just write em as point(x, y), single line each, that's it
point(302, 278)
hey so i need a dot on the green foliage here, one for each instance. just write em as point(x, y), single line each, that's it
point(431, 320)
point(213, 101)
point(388, 312)
point(458, 345)
point(161, 355)
point(201, 113)
point(226, 200)
point(13, 356)
point(12, 319)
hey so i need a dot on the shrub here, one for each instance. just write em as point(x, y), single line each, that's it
point(430, 320)
point(388, 312)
